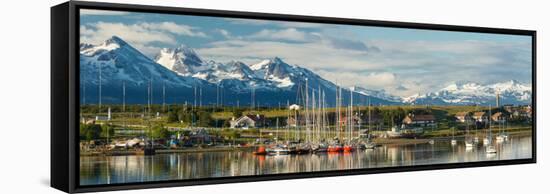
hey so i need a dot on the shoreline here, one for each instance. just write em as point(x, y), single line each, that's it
point(378, 141)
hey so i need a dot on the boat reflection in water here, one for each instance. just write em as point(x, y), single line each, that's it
point(139, 168)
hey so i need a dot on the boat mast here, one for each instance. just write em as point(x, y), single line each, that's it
point(319, 115)
point(287, 119)
point(99, 94)
point(490, 132)
point(351, 115)
point(307, 112)
point(163, 97)
point(124, 96)
point(370, 121)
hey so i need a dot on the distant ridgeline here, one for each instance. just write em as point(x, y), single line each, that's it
point(179, 75)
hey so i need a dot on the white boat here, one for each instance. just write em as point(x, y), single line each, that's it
point(485, 141)
point(490, 150)
point(278, 150)
point(476, 139)
point(469, 144)
point(370, 145)
point(431, 141)
point(500, 139)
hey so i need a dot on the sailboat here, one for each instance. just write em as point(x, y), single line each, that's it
point(278, 149)
point(502, 136)
point(349, 125)
point(335, 146)
point(468, 141)
point(321, 146)
point(490, 149)
point(369, 144)
point(453, 141)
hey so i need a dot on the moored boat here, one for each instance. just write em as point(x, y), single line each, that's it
point(278, 150)
point(320, 148)
point(490, 149)
point(334, 148)
point(370, 145)
point(348, 148)
point(485, 141)
point(260, 151)
point(469, 144)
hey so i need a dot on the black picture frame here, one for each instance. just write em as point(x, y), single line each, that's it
point(65, 95)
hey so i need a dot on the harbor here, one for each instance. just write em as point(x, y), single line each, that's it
point(193, 165)
point(121, 144)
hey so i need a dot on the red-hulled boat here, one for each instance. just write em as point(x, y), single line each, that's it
point(261, 151)
point(348, 148)
point(334, 148)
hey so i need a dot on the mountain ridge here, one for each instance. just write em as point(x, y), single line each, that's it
point(182, 69)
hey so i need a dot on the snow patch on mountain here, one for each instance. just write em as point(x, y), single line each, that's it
point(511, 91)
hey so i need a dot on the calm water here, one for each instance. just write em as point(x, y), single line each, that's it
point(126, 169)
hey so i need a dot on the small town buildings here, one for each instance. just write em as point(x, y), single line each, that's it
point(498, 117)
point(248, 121)
point(480, 117)
point(200, 136)
point(463, 117)
point(509, 108)
point(426, 120)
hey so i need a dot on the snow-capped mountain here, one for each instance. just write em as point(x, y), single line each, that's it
point(270, 74)
point(181, 72)
point(510, 92)
point(116, 62)
point(234, 75)
point(121, 62)
point(182, 60)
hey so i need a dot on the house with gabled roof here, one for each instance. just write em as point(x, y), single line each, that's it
point(248, 121)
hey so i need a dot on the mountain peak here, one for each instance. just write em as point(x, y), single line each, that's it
point(182, 59)
point(110, 44)
point(277, 60)
point(115, 40)
point(514, 82)
point(186, 50)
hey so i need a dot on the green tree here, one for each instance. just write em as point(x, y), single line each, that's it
point(237, 112)
point(90, 132)
point(234, 134)
point(172, 116)
point(205, 119)
point(160, 132)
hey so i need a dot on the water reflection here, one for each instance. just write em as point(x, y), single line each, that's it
point(126, 169)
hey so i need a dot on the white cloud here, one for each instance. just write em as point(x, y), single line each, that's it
point(140, 35)
point(226, 34)
point(289, 34)
point(172, 27)
point(402, 68)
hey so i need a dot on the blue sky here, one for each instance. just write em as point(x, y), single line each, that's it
point(401, 61)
